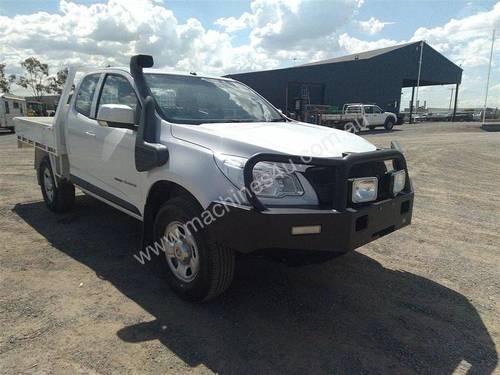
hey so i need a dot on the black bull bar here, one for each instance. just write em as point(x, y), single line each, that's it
point(343, 166)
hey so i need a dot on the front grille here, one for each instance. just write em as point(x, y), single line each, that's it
point(323, 180)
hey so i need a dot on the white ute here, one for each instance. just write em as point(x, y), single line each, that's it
point(356, 116)
point(210, 168)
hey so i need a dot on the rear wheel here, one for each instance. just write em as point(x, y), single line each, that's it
point(59, 198)
point(195, 266)
point(389, 124)
point(351, 128)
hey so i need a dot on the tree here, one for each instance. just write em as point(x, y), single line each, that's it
point(36, 77)
point(56, 83)
point(4, 82)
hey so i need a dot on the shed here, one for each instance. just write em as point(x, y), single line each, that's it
point(376, 77)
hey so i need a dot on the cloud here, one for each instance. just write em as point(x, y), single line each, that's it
point(232, 24)
point(109, 33)
point(467, 40)
point(285, 24)
point(372, 26)
point(354, 45)
point(280, 33)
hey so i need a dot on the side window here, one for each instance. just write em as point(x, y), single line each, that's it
point(117, 90)
point(7, 109)
point(368, 109)
point(86, 93)
point(377, 109)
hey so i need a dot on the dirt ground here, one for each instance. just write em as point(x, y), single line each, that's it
point(420, 300)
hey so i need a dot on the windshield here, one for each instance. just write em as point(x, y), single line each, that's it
point(195, 100)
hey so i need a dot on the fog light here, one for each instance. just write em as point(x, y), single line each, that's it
point(307, 229)
point(364, 189)
point(398, 181)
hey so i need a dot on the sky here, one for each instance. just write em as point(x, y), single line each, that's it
point(222, 37)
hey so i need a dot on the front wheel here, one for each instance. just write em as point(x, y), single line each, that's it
point(195, 266)
point(58, 197)
point(389, 124)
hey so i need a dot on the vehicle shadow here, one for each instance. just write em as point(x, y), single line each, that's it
point(2, 133)
point(351, 315)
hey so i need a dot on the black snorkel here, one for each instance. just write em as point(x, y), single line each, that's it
point(149, 153)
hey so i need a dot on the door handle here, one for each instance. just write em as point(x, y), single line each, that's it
point(90, 134)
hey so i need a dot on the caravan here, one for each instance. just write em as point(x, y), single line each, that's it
point(10, 106)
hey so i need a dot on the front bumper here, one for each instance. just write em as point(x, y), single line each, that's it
point(246, 229)
point(344, 227)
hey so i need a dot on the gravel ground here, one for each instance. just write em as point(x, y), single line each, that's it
point(421, 300)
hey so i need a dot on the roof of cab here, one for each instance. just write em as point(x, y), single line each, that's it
point(12, 96)
point(163, 71)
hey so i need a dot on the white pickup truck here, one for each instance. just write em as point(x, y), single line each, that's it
point(356, 116)
point(211, 169)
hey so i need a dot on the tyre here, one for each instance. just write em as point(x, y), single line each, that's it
point(351, 128)
point(195, 266)
point(59, 198)
point(389, 124)
point(12, 130)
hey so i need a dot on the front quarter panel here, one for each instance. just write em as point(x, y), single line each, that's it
point(192, 167)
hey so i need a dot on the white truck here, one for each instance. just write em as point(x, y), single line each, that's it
point(211, 169)
point(357, 116)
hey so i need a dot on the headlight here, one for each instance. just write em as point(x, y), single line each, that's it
point(364, 189)
point(274, 180)
point(270, 180)
point(398, 181)
point(232, 168)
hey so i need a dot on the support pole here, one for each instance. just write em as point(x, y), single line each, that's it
point(451, 98)
point(455, 105)
point(419, 70)
point(411, 104)
point(488, 80)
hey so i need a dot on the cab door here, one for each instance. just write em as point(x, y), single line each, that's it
point(113, 155)
point(379, 115)
point(370, 117)
point(80, 137)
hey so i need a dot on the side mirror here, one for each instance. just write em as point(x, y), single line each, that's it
point(118, 114)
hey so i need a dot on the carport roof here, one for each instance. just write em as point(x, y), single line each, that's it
point(360, 55)
point(397, 62)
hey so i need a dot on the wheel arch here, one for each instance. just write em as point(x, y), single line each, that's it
point(160, 192)
point(40, 156)
point(391, 117)
point(163, 190)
